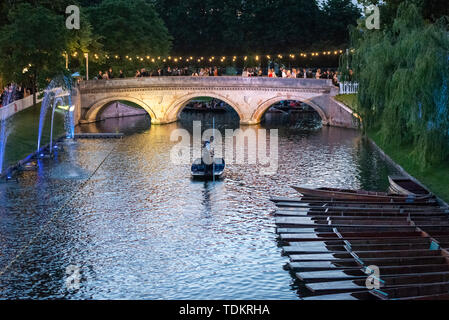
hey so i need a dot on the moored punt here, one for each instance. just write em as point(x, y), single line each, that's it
point(325, 205)
point(332, 242)
point(360, 285)
point(406, 186)
point(333, 193)
point(312, 200)
point(431, 291)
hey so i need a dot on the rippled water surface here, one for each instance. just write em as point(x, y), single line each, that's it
point(138, 227)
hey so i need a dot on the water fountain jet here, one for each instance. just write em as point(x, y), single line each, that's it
point(57, 93)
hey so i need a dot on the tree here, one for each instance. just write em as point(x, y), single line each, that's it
point(234, 27)
point(31, 46)
point(283, 26)
point(403, 80)
point(83, 40)
point(430, 10)
point(338, 15)
point(130, 28)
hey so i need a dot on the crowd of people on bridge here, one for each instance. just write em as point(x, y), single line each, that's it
point(271, 72)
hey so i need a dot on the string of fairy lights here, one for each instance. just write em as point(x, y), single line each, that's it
point(221, 59)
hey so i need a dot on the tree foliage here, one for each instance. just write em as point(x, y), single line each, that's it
point(403, 73)
point(130, 28)
point(338, 16)
point(32, 44)
point(229, 27)
point(431, 10)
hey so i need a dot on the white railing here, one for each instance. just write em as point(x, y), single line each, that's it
point(349, 87)
point(17, 106)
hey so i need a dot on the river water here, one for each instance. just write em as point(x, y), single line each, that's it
point(131, 225)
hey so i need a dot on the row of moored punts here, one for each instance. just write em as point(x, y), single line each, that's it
point(356, 244)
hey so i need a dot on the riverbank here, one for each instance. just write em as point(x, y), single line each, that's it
point(435, 178)
point(24, 127)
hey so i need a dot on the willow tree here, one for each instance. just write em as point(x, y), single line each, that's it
point(403, 75)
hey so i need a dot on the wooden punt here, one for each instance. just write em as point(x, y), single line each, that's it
point(386, 271)
point(348, 202)
point(365, 237)
point(302, 248)
point(305, 222)
point(406, 186)
point(305, 206)
point(333, 193)
point(199, 169)
point(432, 201)
point(388, 282)
point(364, 295)
point(349, 216)
point(331, 236)
point(371, 254)
point(356, 207)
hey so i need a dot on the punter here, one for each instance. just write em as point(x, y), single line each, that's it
point(207, 157)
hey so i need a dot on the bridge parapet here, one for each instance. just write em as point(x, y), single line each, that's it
point(201, 82)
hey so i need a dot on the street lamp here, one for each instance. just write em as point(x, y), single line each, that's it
point(86, 55)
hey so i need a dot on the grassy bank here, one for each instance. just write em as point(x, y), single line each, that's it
point(348, 99)
point(435, 178)
point(24, 127)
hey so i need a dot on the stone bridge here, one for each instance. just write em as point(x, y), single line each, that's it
point(163, 98)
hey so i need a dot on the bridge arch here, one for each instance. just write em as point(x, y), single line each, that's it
point(175, 109)
point(96, 108)
point(265, 105)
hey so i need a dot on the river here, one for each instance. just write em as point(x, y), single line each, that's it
point(135, 226)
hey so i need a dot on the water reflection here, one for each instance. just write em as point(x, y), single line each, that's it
point(141, 228)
